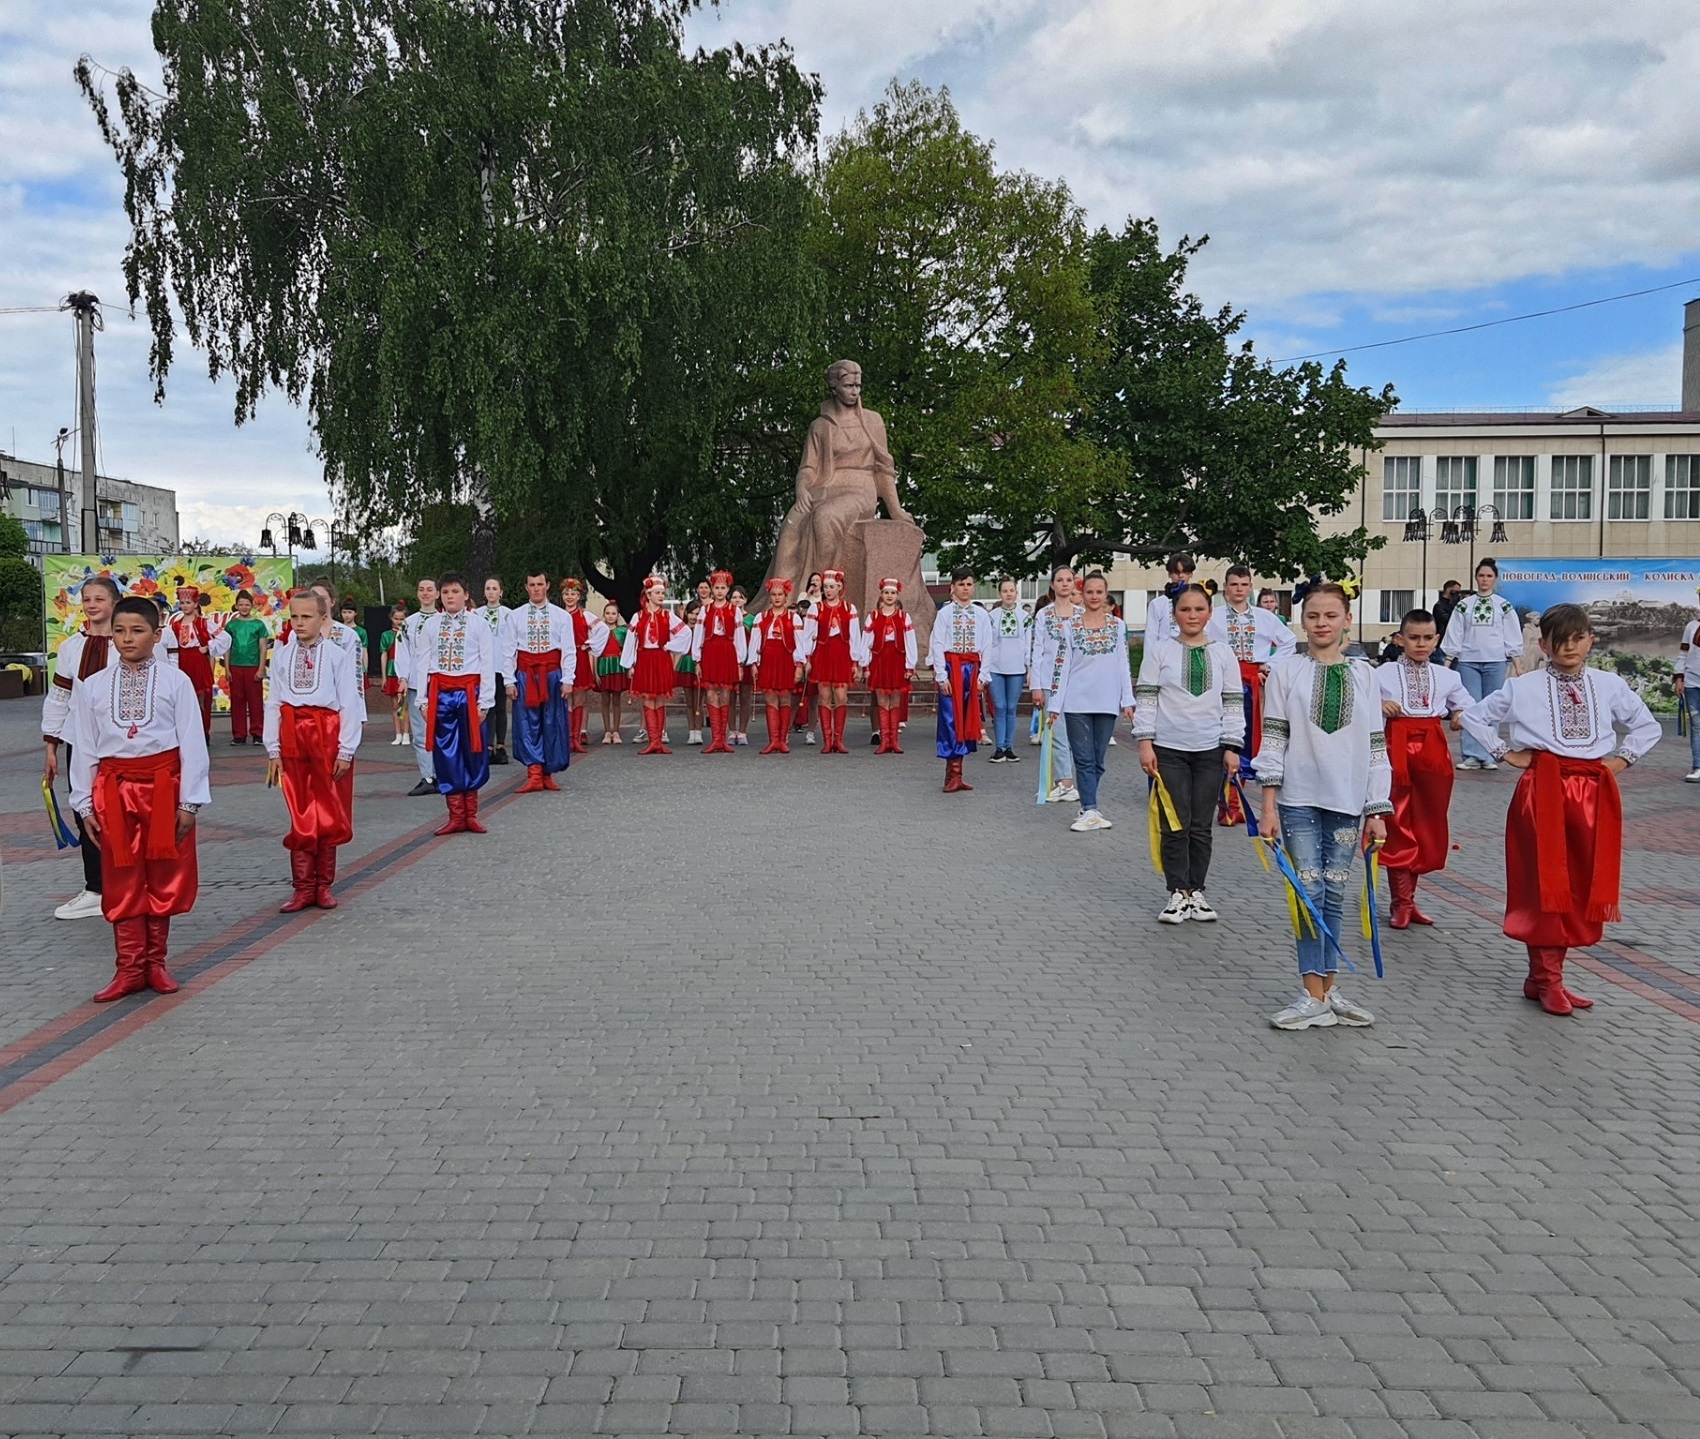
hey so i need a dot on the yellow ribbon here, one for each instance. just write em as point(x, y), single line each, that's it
point(1367, 896)
point(1160, 814)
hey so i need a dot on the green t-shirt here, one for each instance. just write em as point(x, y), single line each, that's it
point(247, 637)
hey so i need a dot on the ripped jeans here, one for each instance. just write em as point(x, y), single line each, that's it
point(1324, 850)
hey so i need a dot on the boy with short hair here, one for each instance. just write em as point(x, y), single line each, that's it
point(139, 775)
point(249, 638)
point(1417, 696)
point(81, 656)
point(456, 659)
point(962, 634)
point(1160, 613)
point(1258, 639)
point(314, 716)
point(495, 614)
point(537, 655)
point(1564, 831)
point(411, 670)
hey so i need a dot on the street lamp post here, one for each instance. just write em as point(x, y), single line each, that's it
point(1457, 526)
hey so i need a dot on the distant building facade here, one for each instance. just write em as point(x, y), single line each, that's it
point(132, 518)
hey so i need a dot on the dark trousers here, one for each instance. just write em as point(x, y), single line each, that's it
point(90, 850)
point(1194, 780)
point(499, 714)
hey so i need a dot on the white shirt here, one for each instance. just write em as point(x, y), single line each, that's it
point(1345, 771)
point(1007, 654)
point(458, 645)
point(1094, 678)
point(1160, 619)
point(496, 617)
point(1256, 636)
point(1580, 717)
point(1044, 653)
point(56, 704)
point(409, 657)
point(735, 632)
point(537, 629)
point(802, 638)
point(906, 629)
point(1171, 715)
point(321, 675)
point(678, 639)
point(129, 711)
point(1484, 629)
point(857, 654)
point(959, 629)
point(1687, 655)
point(1425, 691)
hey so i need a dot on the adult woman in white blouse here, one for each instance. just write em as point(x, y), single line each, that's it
point(1483, 637)
point(1093, 683)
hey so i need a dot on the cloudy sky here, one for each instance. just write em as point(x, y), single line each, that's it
point(1364, 172)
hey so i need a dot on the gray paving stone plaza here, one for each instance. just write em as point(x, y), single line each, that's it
point(744, 1096)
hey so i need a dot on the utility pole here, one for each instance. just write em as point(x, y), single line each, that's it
point(87, 310)
point(59, 439)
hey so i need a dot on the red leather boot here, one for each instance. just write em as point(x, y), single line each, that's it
point(891, 718)
point(1417, 916)
point(786, 725)
point(717, 722)
point(326, 867)
point(302, 876)
point(953, 776)
point(884, 746)
point(1546, 979)
point(549, 782)
point(580, 744)
point(774, 720)
point(840, 714)
point(828, 718)
point(158, 941)
point(1577, 1001)
point(456, 822)
point(1401, 883)
point(469, 813)
point(130, 942)
point(533, 780)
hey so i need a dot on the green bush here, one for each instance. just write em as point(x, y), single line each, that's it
point(20, 605)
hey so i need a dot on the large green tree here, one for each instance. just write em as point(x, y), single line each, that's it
point(21, 609)
point(963, 291)
point(1213, 449)
point(525, 254)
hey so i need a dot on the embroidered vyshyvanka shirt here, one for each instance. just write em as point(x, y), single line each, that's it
point(1590, 715)
point(1190, 696)
point(962, 630)
point(1323, 741)
point(320, 675)
point(1094, 677)
point(537, 629)
point(131, 711)
point(458, 645)
point(1484, 629)
point(1423, 691)
point(1255, 635)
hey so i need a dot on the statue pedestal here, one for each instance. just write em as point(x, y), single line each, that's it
point(877, 548)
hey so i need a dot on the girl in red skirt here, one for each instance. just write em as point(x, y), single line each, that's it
point(835, 652)
point(1564, 833)
point(720, 652)
point(656, 634)
point(612, 681)
point(1416, 698)
point(779, 648)
point(889, 654)
point(197, 644)
point(590, 637)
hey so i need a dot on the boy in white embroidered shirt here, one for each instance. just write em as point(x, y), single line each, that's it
point(139, 775)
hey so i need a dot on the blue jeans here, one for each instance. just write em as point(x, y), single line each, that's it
point(1691, 703)
point(1481, 679)
point(1324, 850)
point(1006, 696)
point(1089, 739)
point(416, 724)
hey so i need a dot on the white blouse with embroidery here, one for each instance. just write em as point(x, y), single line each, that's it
point(1190, 697)
point(131, 711)
point(1094, 677)
point(1007, 654)
point(537, 629)
point(1484, 629)
point(458, 645)
point(959, 629)
point(1256, 636)
point(1323, 741)
point(1423, 691)
point(1590, 715)
point(320, 675)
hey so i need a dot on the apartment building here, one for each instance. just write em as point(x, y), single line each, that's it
point(131, 518)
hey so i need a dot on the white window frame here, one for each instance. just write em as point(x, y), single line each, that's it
point(1629, 487)
point(1393, 614)
point(1580, 494)
point(1682, 487)
point(1398, 502)
point(1466, 469)
point(1514, 501)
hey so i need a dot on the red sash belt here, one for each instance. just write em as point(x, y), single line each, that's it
point(1417, 743)
point(535, 666)
point(1552, 849)
point(451, 684)
point(312, 733)
point(164, 772)
point(969, 724)
point(1253, 678)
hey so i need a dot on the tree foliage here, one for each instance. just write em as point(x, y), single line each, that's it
point(515, 252)
point(21, 605)
point(14, 538)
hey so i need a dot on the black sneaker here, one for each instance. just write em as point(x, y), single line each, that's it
point(425, 786)
point(499, 755)
point(1011, 757)
point(239, 741)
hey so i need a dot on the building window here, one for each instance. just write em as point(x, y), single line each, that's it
point(1572, 487)
point(44, 532)
point(1395, 604)
point(1401, 487)
point(1454, 483)
point(1514, 486)
point(1682, 487)
point(1629, 487)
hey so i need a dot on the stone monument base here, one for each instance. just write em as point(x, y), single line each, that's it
point(877, 548)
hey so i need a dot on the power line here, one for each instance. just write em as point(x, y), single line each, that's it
point(33, 310)
point(1488, 324)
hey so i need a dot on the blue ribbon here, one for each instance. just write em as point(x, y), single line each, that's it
point(1245, 805)
point(1374, 917)
point(1284, 863)
point(64, 837)
point(1044, 757)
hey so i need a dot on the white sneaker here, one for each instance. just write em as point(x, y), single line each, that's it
point(1175, 911)
point(743, 738)
point(1490, 764)
point(1346, 1012)
point(1198, 907)
point(1089, 819)
point(1305, 1012)
point(83, 906)
point(808, 736)
point(1070, 793)
point(1112, 739)
point(1035, 739)
point(695, 737)
point(1058, 791)
point(1470, 762)
point(1693, 776)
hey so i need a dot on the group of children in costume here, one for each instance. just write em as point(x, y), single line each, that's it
point(1348, 758)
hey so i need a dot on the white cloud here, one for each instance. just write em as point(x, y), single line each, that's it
point(1643, 377)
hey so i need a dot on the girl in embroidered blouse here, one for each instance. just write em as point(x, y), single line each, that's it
point(1483, 638)
point(611, 677)
point(1324, 772)
point(1564, 831)
point(1190, 726)
point(1093, 683)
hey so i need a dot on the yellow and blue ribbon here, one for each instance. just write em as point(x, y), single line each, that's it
point(1045, 784)
point(64, 837)
point(1160, 815)
point(1371, 918)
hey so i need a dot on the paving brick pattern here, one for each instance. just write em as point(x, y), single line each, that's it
point(791, 1097)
